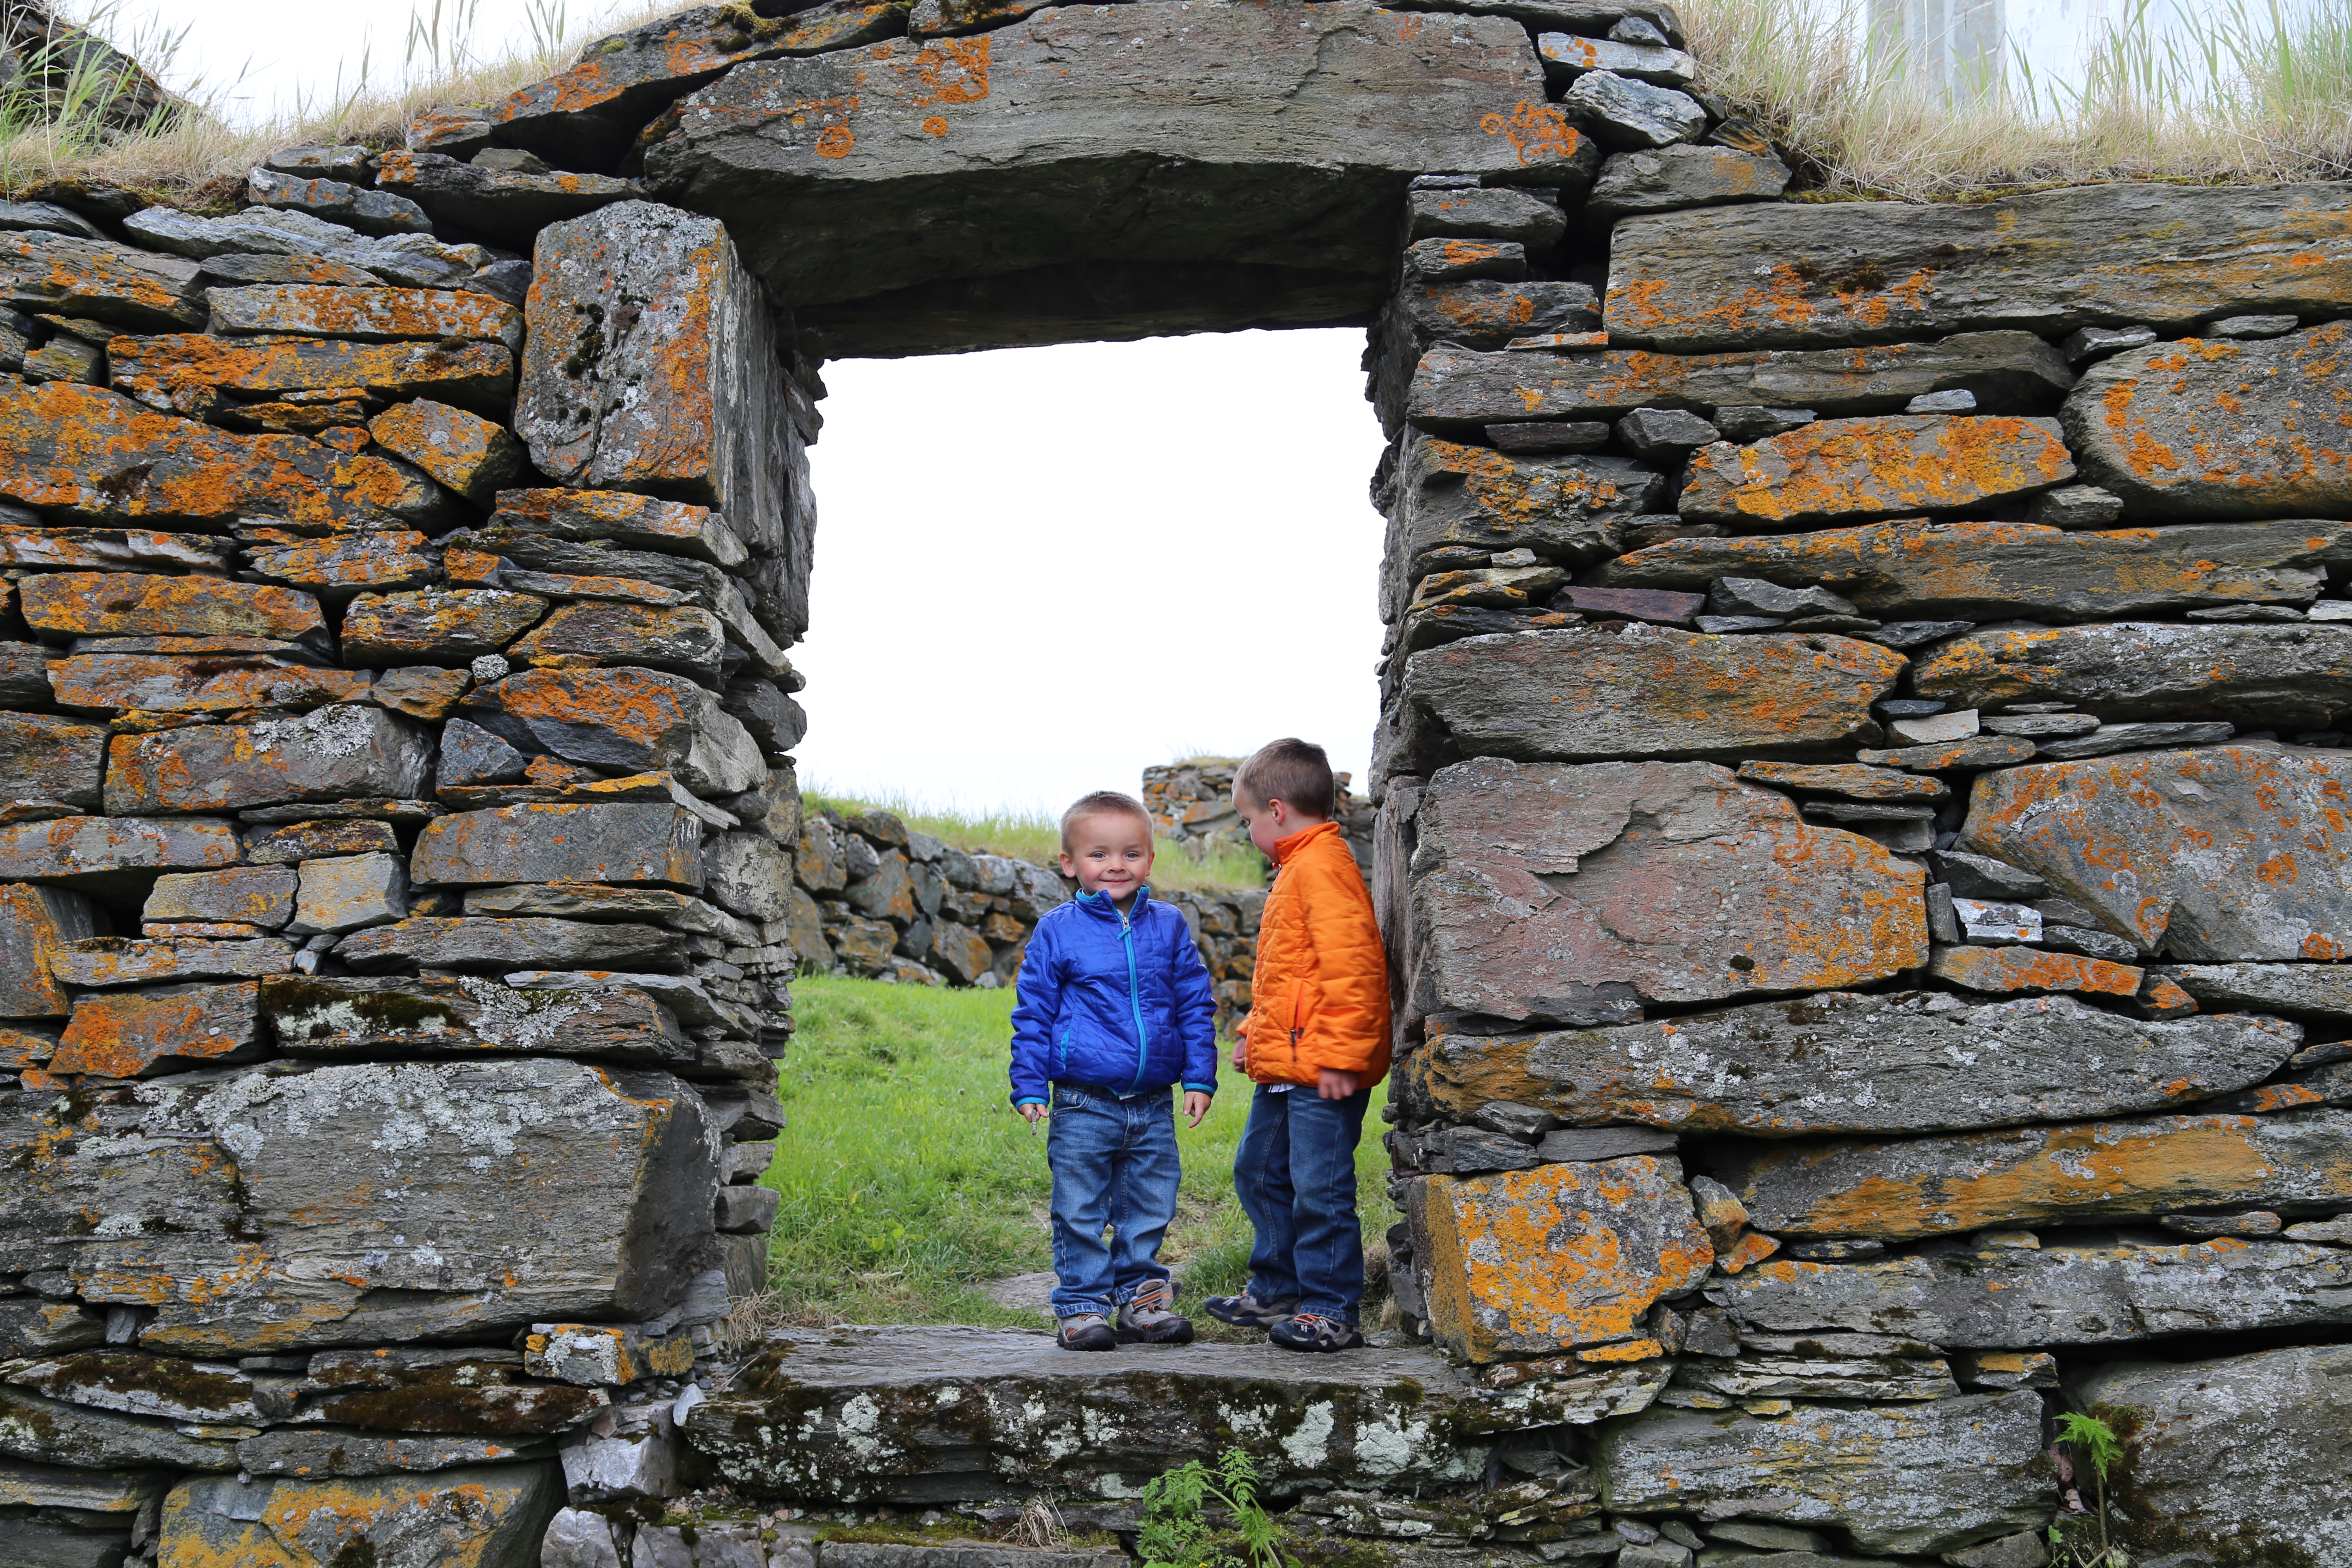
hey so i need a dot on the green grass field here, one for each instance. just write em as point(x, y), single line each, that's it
point(908, 1180)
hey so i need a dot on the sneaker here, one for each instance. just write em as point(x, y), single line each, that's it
point(1086, 1332)
point(1306, 1332)
point(1246, 1311)
point(1151, 1318)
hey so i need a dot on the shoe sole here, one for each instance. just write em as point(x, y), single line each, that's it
point(1316, 1349)
point(1137, 1337)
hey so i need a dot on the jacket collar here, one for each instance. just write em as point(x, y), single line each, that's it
point(1100, 906)
point(1284, 848)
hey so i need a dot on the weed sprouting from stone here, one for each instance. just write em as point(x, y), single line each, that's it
point(1177, 1531)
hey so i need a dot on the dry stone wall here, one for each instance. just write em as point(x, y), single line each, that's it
point(1860, 792)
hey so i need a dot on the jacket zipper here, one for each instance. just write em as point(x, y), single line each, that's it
point(1134, 997)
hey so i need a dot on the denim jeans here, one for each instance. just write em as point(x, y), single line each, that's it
point(1296, 1173)
point(1115, 1165)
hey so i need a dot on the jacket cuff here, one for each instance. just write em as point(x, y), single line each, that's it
point(1200, 1088)
point(1032, 1099)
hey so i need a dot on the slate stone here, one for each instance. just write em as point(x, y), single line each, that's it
point(1568, 57)
point(1854, 780)
point(1792, 275)
point(2235, 1455)
point(346, 892)
point(502, 206)
point(1911, 1477)
point(2211, 428)
point(484, 946)
point(134, 604)
point(471, 754)
point(682, 639)
point(1664, 435)
point(160, 371)
point(1824, 1366)
point(1622, 112)
point(446, 1016)
point(472, 456)
point(1456, 261)
point(1537, 896)
point(312, 1452)
point(2235, 855)
point(1628, 688)
point(2086, 1173)
point(2301, 990)
point(133, 961)
point(255, 231)
point(1669, 179)
point(97, 851)
point(373, 315)
point(54, 1432)
point(83, 452)
point(1299, 161)
point(1023, 1395)
point(62, 274)
point(36, 925)
point(1565, 1256)
point(621, 843)
point(330, 754)
point(1567, 508)
point(293, 842)
point(336, 200)
point(201, 684)
point(46, 757)
point(1471, 212)
point(2294, 677)
point(142, 1033)
point(2004, 970)
point(2106, 740)
point(637, 720)
point(1454, 390)
point(1899, 1062)
point(697, 326)
point(621, 1164)
point(441, 625)
point(1485, 314)
point(752, 876)
point(623, 519)
point(1990, 570)
point(491, 1515)
point(1836, 468)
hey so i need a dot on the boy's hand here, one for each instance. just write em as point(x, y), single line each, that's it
point(1241, 1055)
point(1196, 1106)
point(1035, 1113)
point(1331, 1083)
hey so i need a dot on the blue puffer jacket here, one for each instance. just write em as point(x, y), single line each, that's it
point(1120, 1002)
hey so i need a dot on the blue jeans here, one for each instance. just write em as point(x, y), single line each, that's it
point(1296, 1173)
point(1115, 1165)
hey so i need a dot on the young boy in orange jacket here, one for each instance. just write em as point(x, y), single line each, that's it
point(1315, 1042)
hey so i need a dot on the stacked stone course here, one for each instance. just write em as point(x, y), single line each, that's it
point(1860, 794)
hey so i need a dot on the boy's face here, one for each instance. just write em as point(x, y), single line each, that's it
point(1264, 829)
point(1109, 852)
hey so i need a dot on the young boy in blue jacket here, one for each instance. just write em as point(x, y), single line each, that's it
point(1114, 1007)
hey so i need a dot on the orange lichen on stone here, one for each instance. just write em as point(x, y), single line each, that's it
point(2072, 1174)
point(1562, 1256)
point(1862, 468)
point(156, 370)
point(2033, 970)
point(1538, 133)
point(129, 1034)
point(370, 314)
point(1753, 1247)
point(221, 683)
point(133, 604)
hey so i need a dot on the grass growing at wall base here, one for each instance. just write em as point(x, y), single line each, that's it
point(908, 1180)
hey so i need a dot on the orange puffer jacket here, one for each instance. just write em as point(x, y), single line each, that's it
point(1320, 996)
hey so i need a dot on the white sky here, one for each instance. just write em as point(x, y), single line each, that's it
point(1039, 570)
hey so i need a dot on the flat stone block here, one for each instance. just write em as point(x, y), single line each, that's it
point(2211, 428)
point(1899, 1062)
point(2217, 855)
point(436, 1015)
point(2002, 969)
point(627, 843)
point(438, 625)
point(347, 892)
point(1792, 275)
point(1396, 1417)
point(2302, 990)
point(1455, 389)
point(326, 1170)
point(2232, 1455)
point(1998, 569)
point(134, 604)
point(495, 946)
point(87, 850)
point(2292, 676)
point(61, 273)
point(199, 684)
point(133, 961)
point(485, 1517)
point(1836, 468)
point(141, 1033)
point(37, 926)
point(153, 370)
point(1565, 1256)
point(639, 720)
point(2083, 1174)
point(1631, 688)
point(1567, 892)
point(1906, 1478)
point(331, 753)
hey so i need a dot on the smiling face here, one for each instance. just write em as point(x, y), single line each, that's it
point(1109, 852)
